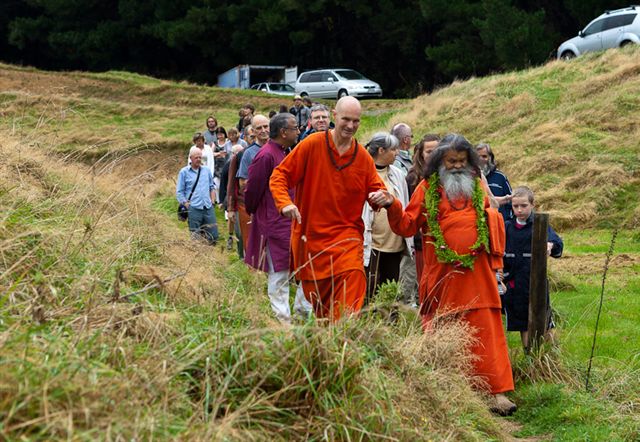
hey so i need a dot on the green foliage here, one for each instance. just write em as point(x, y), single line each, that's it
point(569, 415)
point(420, 43)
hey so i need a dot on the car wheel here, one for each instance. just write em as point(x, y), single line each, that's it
point(625, 43)
point(342, 93)
point(568, 55)
point(304, 94)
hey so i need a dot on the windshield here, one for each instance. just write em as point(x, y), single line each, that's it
point(281, 87)
point(348, 74)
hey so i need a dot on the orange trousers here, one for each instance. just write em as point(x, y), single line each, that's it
point(493, 364)
point(333, 297)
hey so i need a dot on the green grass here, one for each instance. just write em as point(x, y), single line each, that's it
point(563, 414)
point(203, 359)
point(568, 412)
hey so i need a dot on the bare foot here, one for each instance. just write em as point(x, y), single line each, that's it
point(502, 405)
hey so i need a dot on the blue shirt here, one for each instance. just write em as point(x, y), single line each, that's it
point(209, 137)
point(201, 198)
point(247, 157)
point(499, 186)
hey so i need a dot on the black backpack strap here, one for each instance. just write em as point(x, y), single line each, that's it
point(195, 184)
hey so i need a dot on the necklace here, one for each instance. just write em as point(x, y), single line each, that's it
point(443, 252)
point(333, 160)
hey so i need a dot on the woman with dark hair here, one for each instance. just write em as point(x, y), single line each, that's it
point(422, 150)
point(221, 150)
point(383, 249)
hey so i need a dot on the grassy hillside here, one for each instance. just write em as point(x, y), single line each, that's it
point(569, 130)
point(114, 325)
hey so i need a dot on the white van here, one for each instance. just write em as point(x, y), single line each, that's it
point(336, 83)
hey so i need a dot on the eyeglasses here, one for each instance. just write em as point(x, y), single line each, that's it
point(292, 128)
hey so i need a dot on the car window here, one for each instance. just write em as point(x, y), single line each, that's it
point(304, 78)
point(594, 27)
point(314, 77)
point(281, 87)
point(327, 76)
point(619, 21)
point(255, 86)
point(348, 74)
point(610, 23)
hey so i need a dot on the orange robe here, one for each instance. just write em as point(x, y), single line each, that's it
point(470, 294)
point(327, 247)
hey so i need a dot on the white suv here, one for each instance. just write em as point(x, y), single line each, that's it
point(612, 29)
point(336, 83)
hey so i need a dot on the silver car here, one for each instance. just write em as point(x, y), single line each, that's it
point(336, 83)
point(613, 29)
point(275, 88)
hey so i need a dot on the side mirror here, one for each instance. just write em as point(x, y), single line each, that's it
point(581, 34)
point(331, 80)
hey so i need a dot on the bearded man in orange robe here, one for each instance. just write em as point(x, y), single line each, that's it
point(332, 175)
point(463, 247)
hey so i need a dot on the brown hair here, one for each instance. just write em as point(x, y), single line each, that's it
point(415, 174)
point(521, 191)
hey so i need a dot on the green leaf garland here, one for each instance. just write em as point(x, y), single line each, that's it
point(443, 252)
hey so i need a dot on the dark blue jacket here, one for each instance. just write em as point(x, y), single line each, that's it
point(499, 185)
point(517, 256)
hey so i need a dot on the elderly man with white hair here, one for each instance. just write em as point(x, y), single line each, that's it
point(195, 190)
point(408, 274)
point(403, 133)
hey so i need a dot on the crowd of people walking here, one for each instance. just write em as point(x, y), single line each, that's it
point(310, 206)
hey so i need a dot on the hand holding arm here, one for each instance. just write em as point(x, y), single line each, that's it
point(381, 198)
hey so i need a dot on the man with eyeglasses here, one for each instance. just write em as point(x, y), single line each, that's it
point(260, 128)
point(269, 238)
point(319, 120)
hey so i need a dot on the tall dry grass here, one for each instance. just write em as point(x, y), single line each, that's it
point(115, 326)
point(567, 130)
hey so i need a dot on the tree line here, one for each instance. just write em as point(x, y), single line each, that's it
point(407, 46)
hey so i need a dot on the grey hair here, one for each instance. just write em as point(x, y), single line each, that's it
point(193, 150)
point(456, 143)
point(318, 107)
point(253, 119)
point(382, 140)
point(278, 122)
point(401, 130)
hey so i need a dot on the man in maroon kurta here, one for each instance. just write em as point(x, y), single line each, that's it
point(269, 237)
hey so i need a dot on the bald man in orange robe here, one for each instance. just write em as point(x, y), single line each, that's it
point(332, 175)
point(450, 288)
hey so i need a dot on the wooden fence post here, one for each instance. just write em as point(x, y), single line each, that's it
point(538, 281)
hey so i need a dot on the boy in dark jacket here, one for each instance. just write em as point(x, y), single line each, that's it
point(517, 264)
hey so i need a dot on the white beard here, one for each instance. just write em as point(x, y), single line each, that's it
point(486, 169)
point(457, 183)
